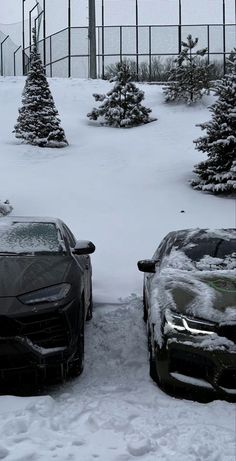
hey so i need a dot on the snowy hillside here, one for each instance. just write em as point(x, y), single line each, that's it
point(123, 189)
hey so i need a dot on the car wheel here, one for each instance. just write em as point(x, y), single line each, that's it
point(152, 361)
point(89, 315)
point(152, 367)
point(145, 314)
point(77, 364)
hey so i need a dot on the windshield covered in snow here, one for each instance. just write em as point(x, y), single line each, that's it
point(30, 238)
point(215, 248)
point(204, 251)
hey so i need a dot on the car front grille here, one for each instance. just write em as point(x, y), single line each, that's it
point(46, 330)
point(12, 356)
point(190, 364)
point(228, 331)
point(228, 379)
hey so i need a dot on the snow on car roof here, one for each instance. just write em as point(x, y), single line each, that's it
point(28, 219)
point(194, 233)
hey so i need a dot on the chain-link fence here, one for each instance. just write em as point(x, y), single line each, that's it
point(10, 56)
point(67, 50)
point(150, 50)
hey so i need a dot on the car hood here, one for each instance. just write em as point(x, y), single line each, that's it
point(22, 274)
point(209, 295)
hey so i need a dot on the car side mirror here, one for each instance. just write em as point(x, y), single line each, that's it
point(83, 247)
point(147, 265)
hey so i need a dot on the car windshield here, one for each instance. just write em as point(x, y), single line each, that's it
point(30, 238)
point(212, 252)
point(216, 248)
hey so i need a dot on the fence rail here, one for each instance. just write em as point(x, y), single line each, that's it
point(66, 53)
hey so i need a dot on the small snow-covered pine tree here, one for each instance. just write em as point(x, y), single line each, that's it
point(121, 106)
point(217, 174)
point(38, 123)
point(5, 208)
point(190, 77)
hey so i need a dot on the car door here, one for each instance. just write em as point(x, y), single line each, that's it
point(84, 264)
point(151, 280)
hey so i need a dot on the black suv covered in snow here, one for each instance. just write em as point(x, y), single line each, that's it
point(45, 298)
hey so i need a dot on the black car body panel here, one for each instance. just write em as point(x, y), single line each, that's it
point(31, 273)
point(190, 309)
point(39, 330)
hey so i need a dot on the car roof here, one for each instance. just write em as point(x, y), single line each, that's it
point(195, 233)
point(29, 219)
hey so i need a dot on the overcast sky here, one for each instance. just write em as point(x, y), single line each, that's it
point(122, 12)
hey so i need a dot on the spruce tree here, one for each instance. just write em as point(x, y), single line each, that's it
point(5, 208)
point(121, 106)
point(38, 123)
point(217, 174)
point(190, 77)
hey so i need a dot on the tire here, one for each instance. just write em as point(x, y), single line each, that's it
point(89, 315)
point(152, 367)
point(77, 363)
point(152, 362)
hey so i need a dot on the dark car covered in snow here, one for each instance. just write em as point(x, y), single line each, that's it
point(190, 310)
point(45, 298)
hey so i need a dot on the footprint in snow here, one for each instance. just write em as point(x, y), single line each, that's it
point(139, 446)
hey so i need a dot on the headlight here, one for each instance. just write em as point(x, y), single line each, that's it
point(181, 323)
point(46, 295)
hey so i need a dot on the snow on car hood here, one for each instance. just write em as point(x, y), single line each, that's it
point(210, 296)
point(205, 289)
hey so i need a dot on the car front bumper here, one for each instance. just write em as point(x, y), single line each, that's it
point(19, 357)
point(39, 345)
point(190, 367)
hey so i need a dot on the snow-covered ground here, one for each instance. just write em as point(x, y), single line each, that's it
point(123, 189)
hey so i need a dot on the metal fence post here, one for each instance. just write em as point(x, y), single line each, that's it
point(50, 45)
point(92, 39)
point(180, 26)
point(150, 52)
point(208, 44)
point(30, 24)
point(69, 38)
point(14, 58)
point(44, 33)
point(5, 39)
point(121, 44)
point(137, 38)
point(103, 41)
point(224, 38)
point(23, 37)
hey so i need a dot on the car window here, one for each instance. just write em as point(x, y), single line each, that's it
point(164, 247)
point(70, 237)
point(216, 248)
point(30, 237)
